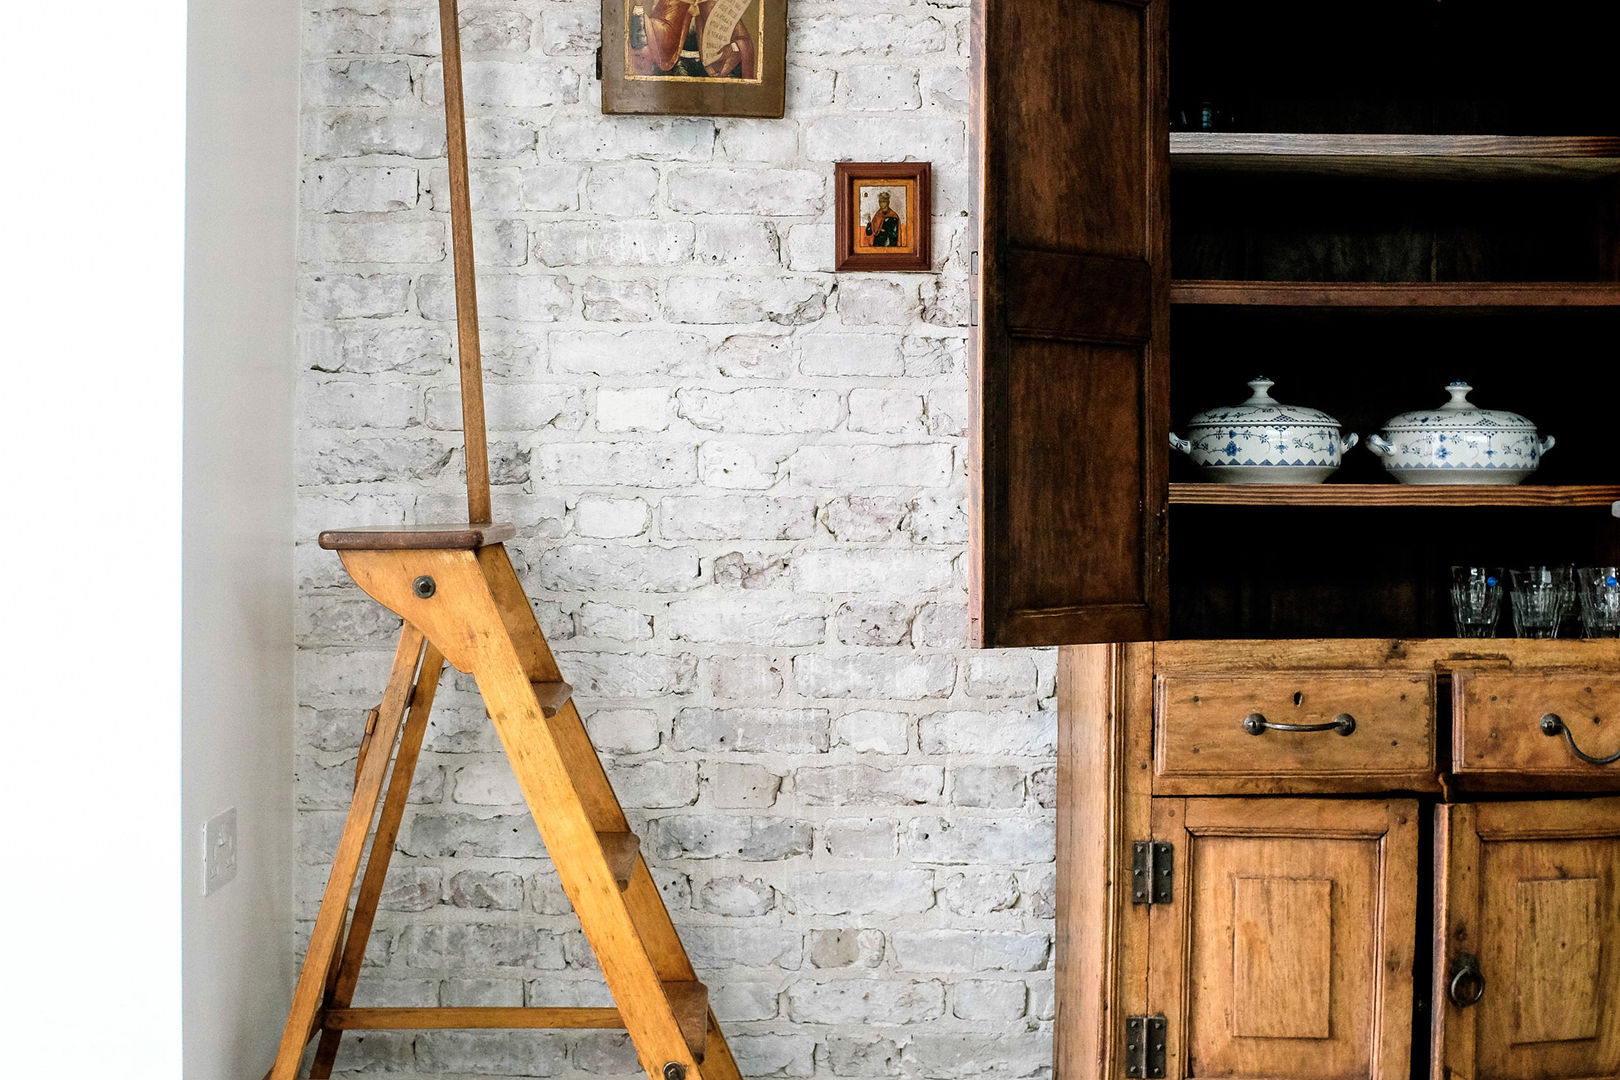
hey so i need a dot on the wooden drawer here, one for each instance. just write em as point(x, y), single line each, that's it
point(1205, 741)
point(1515, 730)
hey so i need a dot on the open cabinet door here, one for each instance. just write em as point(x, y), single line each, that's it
point(1527, 964)
point(1071, 392)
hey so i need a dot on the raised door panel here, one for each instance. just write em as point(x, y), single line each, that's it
point(1071, 386)
point(1529, 895)
point(1288, 951)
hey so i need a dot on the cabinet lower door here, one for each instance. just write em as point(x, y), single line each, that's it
point(1288, 951)
point(1527, 962)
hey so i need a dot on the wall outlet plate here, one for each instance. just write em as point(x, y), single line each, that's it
point(219, 850)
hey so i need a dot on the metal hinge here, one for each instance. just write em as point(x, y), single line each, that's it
point(973, 292)
point(599, 63)
point(1145, 1041)
point(1153, 865)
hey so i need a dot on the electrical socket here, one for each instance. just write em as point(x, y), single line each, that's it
point(219, 850)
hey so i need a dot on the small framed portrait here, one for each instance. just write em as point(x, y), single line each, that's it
point(884, 216)
point(694, 57)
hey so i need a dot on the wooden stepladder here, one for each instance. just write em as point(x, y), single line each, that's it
point(462, 604)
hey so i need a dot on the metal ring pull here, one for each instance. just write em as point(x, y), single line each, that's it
point(1467, 981)
point(1553, 725)
point(1256, 724)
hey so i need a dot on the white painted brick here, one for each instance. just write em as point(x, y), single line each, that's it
point(872, 623)
point(775, 1055)
point(850, 354)
point(927, 356)
point(739, 1001)
point(622, 190)
point(864, 301)
point(1020, 1054)
point(754, 356)
point(511, 408)
point(488, 890)
point(729, 947)
point(481, 992)
point(968, 950)
point(778, 192)
point(810, 247)
point(987, 786)
point(936, 520)
point(870, 785)
point(845, 948)
point(785, 301)
point(357, 134)
point(856, 518)
point(743, 676)
point(766, 410)
point(506, 84)
point(872, 571)
point(870, 466)
point(1011, 731)
point(451, 835)
point(595, 516)
point(664, 139)
point(353, 295)
point(941, 626)
point(616, 300)
point(764, 141)
point(523, 297)
point(734, 785)
point(872, 732)
point(728, 836)
point(628, 352)
point(724, 464)
point(736, 242)
point(999, 674)
point(488, 783)
point(862, 892)
point(631, 675)
point(976, 894)
point(630, 464)
point(334, 458)
point(549, 187)
point(859, 838)
point(886, 676)
point(625, 731)
point(357, 82)
point(393, 29)
point(613, 243)
point(490, 1053)
point(787, 731)
point(736, 517)
point(574, 32)
point(885, 412)
point(915, 138)
point(946, 89)
point(880, 87)
point(645, 408)
point(485, 30)
point(630, 567)
point(720, 619)
point(863, 1055)
point(478, 945)
point(655, 784)
point(350, 404)
point(809, 86)
point(867, 35)
point(865, 1001)
point(359, 350)
point(344, 189)
point(736, 897)
point(750, 570)
point(1008, 840)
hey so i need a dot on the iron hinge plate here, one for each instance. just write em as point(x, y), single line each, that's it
point(1145, 1042)
point(1153, 865)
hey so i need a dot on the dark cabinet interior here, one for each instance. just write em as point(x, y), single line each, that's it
point(1360, 201)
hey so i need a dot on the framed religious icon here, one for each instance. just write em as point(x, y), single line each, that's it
point(694, 57)
point(883, 216)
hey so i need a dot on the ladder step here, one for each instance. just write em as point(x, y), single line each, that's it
point(689, 1001)
point(552, 696)
point(622, 850)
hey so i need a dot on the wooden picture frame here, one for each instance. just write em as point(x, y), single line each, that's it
point(669, 58)
point(884, 216)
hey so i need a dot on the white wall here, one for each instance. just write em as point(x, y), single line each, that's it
point(237, 671)
point(90, 616)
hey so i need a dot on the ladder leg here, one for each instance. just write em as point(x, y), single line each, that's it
point(323, 942)
point(340, 989)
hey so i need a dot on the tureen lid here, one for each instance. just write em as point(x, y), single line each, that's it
point(1262, 408)
point(1459, 412)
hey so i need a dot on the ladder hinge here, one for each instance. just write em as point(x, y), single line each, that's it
point(599, 63)
point(1145, 1042)
point(1153, 866)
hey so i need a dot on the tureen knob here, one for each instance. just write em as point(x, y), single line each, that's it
point(1459, 392)
point(1260, 386)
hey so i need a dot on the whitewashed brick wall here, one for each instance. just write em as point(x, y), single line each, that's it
point(739, 482)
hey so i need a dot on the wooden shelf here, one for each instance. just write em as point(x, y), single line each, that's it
point(1393, 494)
point(1415, 294)
point(1439, 157)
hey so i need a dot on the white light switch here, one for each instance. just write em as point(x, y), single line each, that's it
point(219, 850)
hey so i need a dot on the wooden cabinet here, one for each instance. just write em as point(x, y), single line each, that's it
point(1397, 194)
point(1303, 909)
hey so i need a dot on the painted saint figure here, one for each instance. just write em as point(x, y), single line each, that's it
point(884, 228)
point(674, 40)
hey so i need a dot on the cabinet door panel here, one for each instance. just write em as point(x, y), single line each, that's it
point(1288, 952)
point(1533, 891)
point(1071, 386)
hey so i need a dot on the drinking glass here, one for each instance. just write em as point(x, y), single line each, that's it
point(1476, 600)
point(1599, 590)
point(1540, 594)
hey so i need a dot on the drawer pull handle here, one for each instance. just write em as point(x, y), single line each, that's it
point(1344, 724)
point(1553, 725)
point(1467, 981)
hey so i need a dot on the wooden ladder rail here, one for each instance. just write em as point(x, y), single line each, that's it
point(477, 618)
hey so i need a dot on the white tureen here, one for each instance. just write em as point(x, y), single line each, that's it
point(1460, 443)
point(1264, 442)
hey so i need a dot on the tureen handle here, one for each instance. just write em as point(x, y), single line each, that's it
point(1178, 443)
point(1548, 443)
point(1348, 442)
point(1380, 446)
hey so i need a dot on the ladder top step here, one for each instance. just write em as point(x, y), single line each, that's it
point(552, 696)
point(457, 536)
point(621, 850)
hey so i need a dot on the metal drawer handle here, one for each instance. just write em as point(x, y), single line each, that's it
point(1467, 981)
point(1257, 724)
point(1553, 725)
